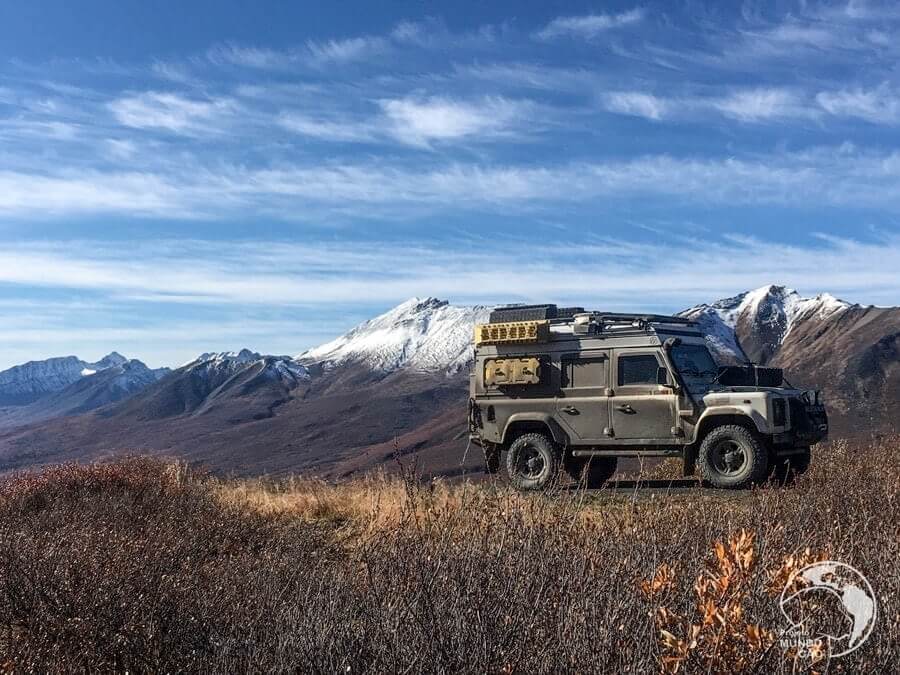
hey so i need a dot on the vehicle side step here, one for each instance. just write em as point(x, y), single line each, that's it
point(666, 452)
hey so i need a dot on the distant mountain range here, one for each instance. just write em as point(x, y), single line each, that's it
point(397, 384)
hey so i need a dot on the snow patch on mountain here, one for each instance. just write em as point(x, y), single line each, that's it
point(719, 331)
point(770, 310)
point(130, 376)
point(425, 335)
point(225, 363)
point(25, 383)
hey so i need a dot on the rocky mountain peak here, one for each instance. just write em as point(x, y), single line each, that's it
point(427, 335)
point(764, 317)
point(30, 381)
point(111, 360)
point(217, 365)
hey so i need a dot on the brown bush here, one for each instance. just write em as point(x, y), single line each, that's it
point(143, 566)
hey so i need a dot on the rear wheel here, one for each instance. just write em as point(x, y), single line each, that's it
point(594, 471)
point(785, 469)
point(732, 457)
point(532, 462)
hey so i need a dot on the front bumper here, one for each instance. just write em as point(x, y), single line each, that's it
point(808, 420)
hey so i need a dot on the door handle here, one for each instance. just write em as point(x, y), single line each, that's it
point(570, 409)
point(625, 409)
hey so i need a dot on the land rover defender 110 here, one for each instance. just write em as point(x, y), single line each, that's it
point(566, 388)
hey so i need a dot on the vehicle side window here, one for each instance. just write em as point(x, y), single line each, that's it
point(638, 369)
point(586, 372)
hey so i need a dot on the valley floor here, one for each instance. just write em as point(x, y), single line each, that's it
point(143, 565)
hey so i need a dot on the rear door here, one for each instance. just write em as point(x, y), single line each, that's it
point(641, 409)
point(583, 402)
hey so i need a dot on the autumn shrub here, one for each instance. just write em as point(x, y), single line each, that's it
point(142, 566)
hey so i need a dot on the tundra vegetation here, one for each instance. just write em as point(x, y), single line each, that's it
point(140, 565)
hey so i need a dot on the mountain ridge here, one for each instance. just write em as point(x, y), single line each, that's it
point(397, 383)
point(27, 382)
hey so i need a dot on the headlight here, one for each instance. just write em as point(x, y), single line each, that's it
point(779, 412)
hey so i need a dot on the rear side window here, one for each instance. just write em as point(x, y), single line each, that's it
point(638, 369)
point(586, 372)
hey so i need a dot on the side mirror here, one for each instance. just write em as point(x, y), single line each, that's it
point(662, 378)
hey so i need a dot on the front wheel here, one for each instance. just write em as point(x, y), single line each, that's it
point(732, 457)
point(532, 462)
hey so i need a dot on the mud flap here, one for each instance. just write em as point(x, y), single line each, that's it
point(690, 463)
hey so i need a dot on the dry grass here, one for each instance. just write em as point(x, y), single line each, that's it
point(144, 566)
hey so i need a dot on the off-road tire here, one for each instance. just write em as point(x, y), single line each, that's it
point(592, 472)
point(491, 460)
point(785, 469)
point(720, 445)
point(532, 462)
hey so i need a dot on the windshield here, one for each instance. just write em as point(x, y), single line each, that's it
point(695, 364)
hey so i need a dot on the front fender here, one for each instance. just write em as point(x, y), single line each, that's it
point(741, 410)
point(556, 431)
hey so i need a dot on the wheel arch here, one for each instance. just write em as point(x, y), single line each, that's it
point(527, 423)
point(719, 418)
point(725, 417)
point(744, 416)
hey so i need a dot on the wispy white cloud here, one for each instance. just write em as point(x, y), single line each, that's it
point(416, 121)
point(879, 106)
point(172, 71)
point(250, 57)
point(759, 104)
point(839, 176)
point(170, 111)
point(347, 50)
point(765, 103)
point(791, 34)
point(589, 25)
point(317, 273)
point(521, 74)
point(328, 128)
point(78, 192)
point(426, 34)
point(637, 104)
point(312, 53)
point(19, 128)
point(422, 121)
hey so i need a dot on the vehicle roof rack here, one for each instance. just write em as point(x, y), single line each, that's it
point(614, 317)
point(629, 320)
point(544, 312)
point(564, 315)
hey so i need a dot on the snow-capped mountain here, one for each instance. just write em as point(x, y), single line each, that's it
point(763, 317)
point(217, 365)
point(323, 413)
point(424, 335)
point(99, 387)
point(30, 381)
point(243, 385)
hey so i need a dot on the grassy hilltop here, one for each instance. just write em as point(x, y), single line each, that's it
point(141, 565)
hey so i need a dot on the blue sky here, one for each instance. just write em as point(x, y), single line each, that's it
point(185, 177)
